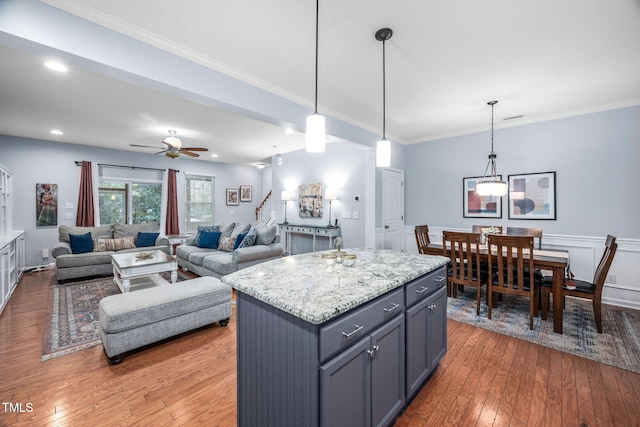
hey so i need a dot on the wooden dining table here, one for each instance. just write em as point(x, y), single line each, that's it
point(544, 259)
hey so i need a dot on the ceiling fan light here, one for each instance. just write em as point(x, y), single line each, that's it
point(315, 135)
point(383, 153)
point(173, 142)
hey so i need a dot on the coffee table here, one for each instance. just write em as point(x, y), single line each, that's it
point(131, 265)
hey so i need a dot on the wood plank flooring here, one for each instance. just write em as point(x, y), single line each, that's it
point(486, 379)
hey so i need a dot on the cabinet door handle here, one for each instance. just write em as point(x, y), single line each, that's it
point(440, 279)
point(432, 306)
point(393, 307)
point(423, 290)
point(373, 351)
point(348, 335)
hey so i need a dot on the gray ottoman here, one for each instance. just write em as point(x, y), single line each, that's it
point(135, 319)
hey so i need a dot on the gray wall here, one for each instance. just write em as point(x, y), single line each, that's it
point(595, 157)
point(33, 161)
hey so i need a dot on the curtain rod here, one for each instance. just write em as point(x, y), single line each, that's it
point(78, 163)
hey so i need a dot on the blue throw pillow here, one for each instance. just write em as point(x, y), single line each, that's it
point(146, 239)
point(249, 239)
point(239, 239)
point(209, 239)
point(201, 228)
point(81, 243)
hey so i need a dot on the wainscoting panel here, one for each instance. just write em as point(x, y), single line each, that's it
point(585, 253)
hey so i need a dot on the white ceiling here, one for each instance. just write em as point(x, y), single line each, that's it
point(543, 60)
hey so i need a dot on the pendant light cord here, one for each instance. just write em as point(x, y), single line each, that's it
point(384, 93)
point(315, 110)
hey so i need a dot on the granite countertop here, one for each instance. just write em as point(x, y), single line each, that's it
point(317, 290)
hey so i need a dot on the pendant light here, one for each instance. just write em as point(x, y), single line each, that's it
point(316, 135)
point(491, 185)
point(383, 147)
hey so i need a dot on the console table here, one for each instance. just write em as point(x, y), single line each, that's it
point(322, 343)
point(309, 230)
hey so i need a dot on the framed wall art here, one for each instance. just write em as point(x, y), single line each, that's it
point(232, 197)
point(310, 201)
point(532, 196)
point(245, 193)
point(475, 206)
point(46, 205)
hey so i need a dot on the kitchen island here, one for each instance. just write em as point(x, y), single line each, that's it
point(320, 342)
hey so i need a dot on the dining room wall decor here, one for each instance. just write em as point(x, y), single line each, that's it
point(476, 206)
point(310, 200)
point(532, 196)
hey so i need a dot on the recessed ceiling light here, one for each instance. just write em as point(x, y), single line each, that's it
point(288, 131)
point(56, 66)
point(214, 155)
point(261, 165)
point(56, 132)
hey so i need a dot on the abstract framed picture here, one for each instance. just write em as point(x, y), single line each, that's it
point(475, 206)
point(232, 197)
point(245, 193)
point(310, 201)
point(532, 196)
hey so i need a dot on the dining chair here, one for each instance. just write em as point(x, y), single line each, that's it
point(422, 237)
point(523, 231)
point(511, 271)
point(464, 251)
point(478, 228)
point(584, 289)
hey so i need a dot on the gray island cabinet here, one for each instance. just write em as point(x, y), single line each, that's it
point(320, 343)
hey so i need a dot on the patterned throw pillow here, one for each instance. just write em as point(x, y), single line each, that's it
point(249, 239)
point(201, 228)
point(101, 245)
point(226, 244)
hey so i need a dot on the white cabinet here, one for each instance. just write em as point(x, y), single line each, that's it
point(12, 244)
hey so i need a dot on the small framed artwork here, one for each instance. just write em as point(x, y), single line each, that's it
point(532, 196)
point(245, 193)
point(232, 197)
point(475, 206)
point(46, 205)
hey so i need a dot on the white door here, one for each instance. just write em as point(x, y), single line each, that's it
point(393, 209)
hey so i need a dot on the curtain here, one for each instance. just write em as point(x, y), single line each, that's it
point(172, 224)
point(85, 216)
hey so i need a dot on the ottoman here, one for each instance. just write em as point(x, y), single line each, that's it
point(135, 319)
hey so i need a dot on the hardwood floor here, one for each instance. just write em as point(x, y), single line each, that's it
point(485, 379)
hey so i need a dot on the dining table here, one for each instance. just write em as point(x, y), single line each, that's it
point(557, 261)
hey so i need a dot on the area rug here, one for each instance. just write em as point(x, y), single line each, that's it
point(618, 345)
point(71, 323)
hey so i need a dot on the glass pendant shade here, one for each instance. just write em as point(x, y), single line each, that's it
point(383, 153)
point(315, 135)
point(490, 187)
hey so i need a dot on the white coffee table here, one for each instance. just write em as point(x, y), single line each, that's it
point(129, 266)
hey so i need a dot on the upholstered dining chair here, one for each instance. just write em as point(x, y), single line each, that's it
point(523, 231)
point(511, 271)
point(584, 289)
point(422, 237)
point(464, 251)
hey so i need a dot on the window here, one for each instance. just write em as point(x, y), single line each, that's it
point(129, 202)
point(199, 201)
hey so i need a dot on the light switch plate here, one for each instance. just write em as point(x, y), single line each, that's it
point(346, 214)
point(68, 215)
point(355, 215)
point(68, 205)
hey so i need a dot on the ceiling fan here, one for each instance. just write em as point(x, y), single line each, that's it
point(173, 147)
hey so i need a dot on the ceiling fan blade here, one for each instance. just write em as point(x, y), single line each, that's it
point(189, 153)
point(160, 152)
point(144, 146)
point(195, 149)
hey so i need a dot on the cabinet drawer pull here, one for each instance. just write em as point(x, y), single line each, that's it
point(423, 290)
point(440, 279)
point(393, 307)
point(348, 335)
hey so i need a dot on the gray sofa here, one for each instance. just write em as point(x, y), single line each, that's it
point(219, 262)
point(98, 263)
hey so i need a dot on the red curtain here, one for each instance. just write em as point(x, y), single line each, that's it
point(85, 214)
point(172, 226)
